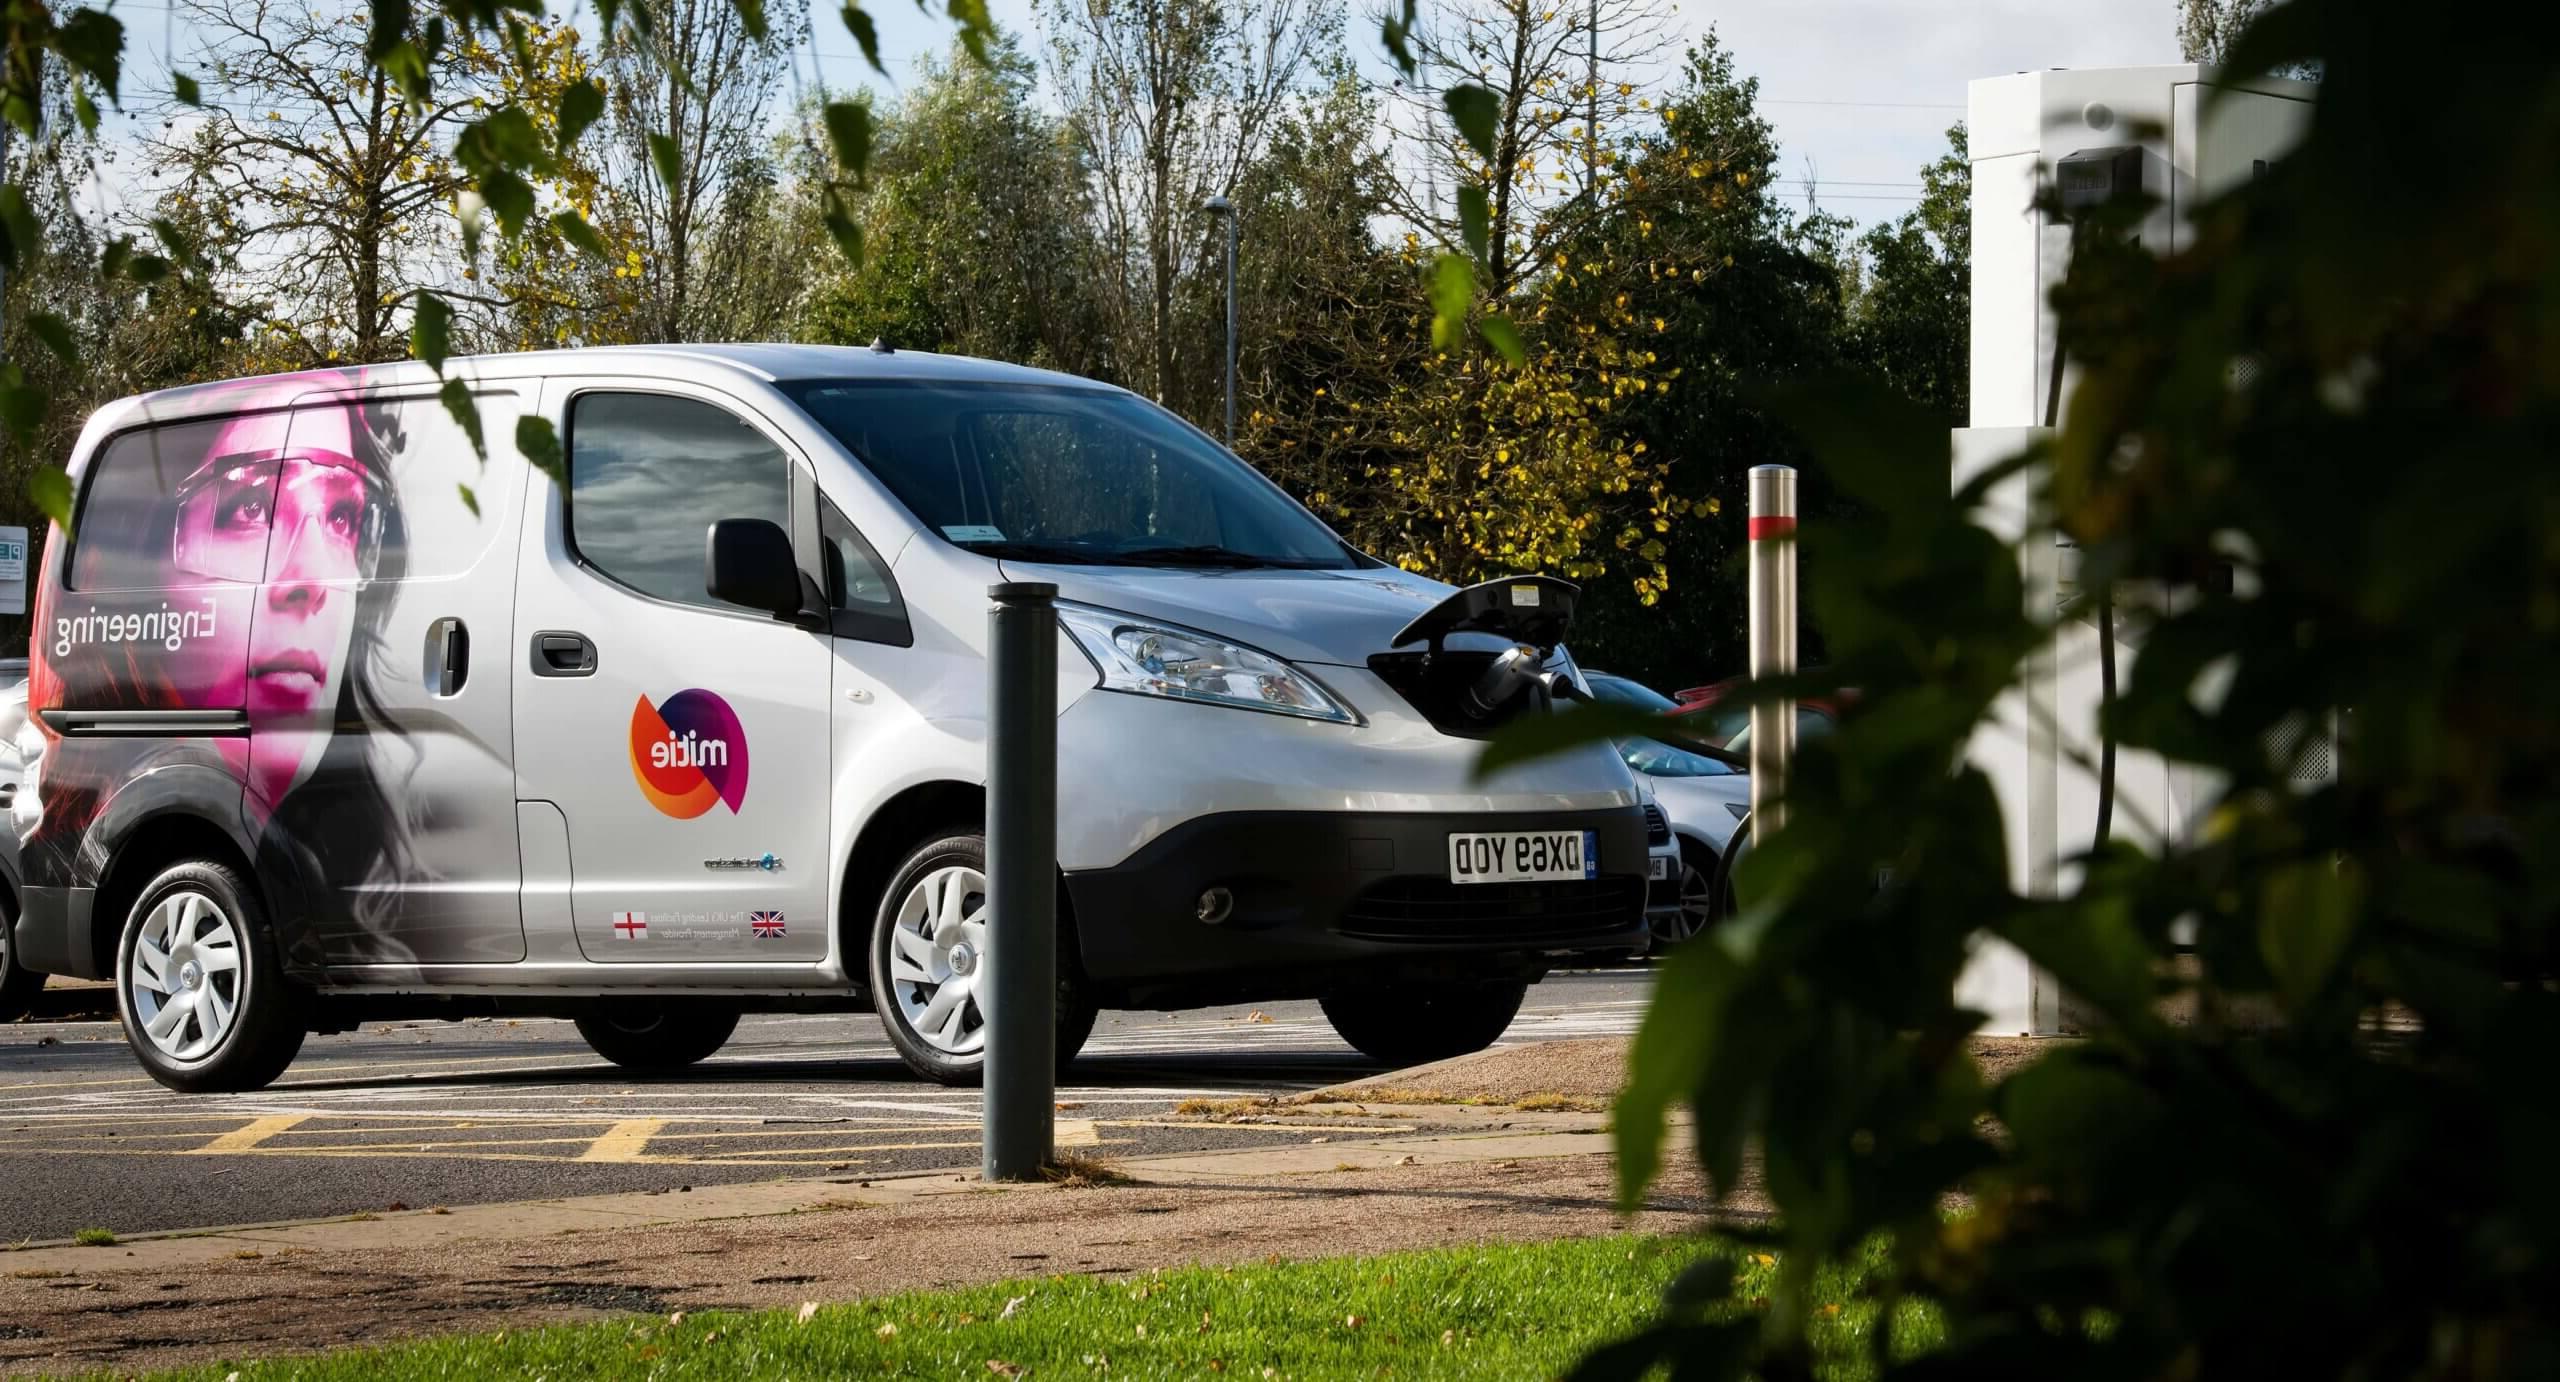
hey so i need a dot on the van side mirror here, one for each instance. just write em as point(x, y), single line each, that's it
point(748, 561)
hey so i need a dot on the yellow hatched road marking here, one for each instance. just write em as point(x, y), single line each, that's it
point(624, 1141)
point(258, 1130)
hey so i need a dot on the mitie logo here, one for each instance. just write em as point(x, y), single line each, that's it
point(689, 751)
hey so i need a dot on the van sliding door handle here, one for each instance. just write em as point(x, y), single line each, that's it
point(559, 653)
point(451, 645)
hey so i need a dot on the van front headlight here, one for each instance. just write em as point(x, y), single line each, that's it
point(1149, 659)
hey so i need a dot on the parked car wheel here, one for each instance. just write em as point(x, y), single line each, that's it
point(1701, 897)
point(657, 1034)
point(1415, 1023)
point(928, 956)
point(202, 992)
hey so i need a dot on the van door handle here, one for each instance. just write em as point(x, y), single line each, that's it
point(452, 656)
point(559, 653)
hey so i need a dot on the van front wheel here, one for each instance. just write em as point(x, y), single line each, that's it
point(199, 985)
point(656, 1035)
point(1415, 1023)
point(929, 954)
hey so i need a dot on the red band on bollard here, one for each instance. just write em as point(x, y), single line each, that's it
point(1771, 527)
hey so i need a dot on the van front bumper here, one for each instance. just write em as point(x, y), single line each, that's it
point(1323, 898)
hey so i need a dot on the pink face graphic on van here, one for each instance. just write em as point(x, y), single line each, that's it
point(305, 513)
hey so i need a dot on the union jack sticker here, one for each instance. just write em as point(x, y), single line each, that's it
point(765, 925)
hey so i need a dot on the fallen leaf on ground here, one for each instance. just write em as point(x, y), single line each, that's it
point(1001, 1368)
point(1011, 1306)
point(808, 1311)
point(887, 1331)
point(675, 1319)
point(1257, 1015)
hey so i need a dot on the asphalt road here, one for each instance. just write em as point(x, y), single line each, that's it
point(414, 1115)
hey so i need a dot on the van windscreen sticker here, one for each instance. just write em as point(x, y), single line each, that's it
point(972, 532)
point(689, 752)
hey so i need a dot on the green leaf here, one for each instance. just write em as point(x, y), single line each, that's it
point(510, 197)
point(1475, 111)
point(22, 405)
point(1475, 222)
point(2306, 919)
point(977, 27)
point(21, 236)
point(751, 13)
point(540, 445)
point(866, 36)
point(1532, 737)
point(84, 111)
point(1395, 31)
point(431, 333)
point(147, 269)
point(581, 105)
point(575, 229)
point(668, 160)
point(91, 43)
point(1499, 333)
point(389, 30)
point(837, 216)
point(1453, 291)
point(465, 410)
point(56, 335)
point(49, 487)
point(849, 133)
point(186, 90)
point(470, 499)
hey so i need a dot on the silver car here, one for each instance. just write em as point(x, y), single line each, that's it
point(1707, 799)
point(683, 713)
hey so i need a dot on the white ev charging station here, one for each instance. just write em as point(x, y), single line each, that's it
point(2170, 133)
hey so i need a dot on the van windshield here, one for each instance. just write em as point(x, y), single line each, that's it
point(1076, 476)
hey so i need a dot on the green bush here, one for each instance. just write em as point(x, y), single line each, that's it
point(2343, 392)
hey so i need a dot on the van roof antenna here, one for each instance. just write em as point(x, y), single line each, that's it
point(880, 346)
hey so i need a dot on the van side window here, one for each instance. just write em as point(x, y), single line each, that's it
point(649, 475)
point(859, 588)
point(165, 507)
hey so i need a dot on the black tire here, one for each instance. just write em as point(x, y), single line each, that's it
point(1415, 1024)
point(18, 984)
point(657, 1034)
point(1701, 892)
point(953, 1059)
point(197, 917)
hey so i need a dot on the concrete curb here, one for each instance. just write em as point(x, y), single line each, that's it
point(1504, 1136)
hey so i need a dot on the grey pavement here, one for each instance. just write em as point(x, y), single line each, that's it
point(409, 1116)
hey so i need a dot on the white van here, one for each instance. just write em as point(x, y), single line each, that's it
point(333, 719)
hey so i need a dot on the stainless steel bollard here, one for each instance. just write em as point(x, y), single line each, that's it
point(1019, 998)
point(1773, 639)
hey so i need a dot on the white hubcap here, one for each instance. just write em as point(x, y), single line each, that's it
point(185, 980)
point(938, 955)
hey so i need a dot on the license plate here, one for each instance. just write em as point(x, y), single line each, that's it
point(1661, 868)
point(1524, 856)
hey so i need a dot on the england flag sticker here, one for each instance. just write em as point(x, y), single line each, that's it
point(631, 926)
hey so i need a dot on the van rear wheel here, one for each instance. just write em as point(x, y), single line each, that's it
point(928, 955)
point(201, 990)
point(657, 1034)
point(1415, 1023)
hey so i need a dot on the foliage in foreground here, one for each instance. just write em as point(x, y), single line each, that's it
point(1509, 1310)
point(2311, 456)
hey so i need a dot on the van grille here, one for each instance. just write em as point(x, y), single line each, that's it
point(1434, 909)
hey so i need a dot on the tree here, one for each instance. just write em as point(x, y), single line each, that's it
point(978, 212)
point(2309, 1135)
point(1170, 100)
point(1557, 76)
point(1912, 320)
point(554, 290)
point(2207, 28)
point(315, 177)
point(689, 158)
point(1743, 291)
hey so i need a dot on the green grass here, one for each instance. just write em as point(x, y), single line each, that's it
point(1502, 1311)
point(95, 1238)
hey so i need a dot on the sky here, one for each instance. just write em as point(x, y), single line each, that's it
point(1861, 91)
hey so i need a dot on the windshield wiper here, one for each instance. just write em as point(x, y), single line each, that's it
point(1210, 554)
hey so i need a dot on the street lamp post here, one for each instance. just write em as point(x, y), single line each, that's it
point(1226, 210)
